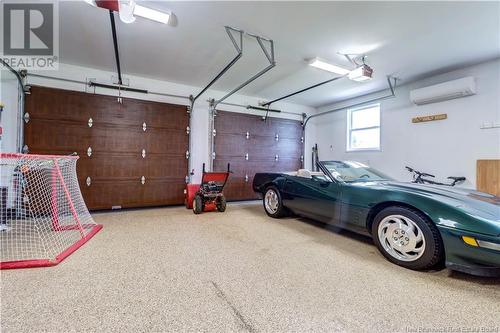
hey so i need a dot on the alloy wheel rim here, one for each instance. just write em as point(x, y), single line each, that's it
point(271, 201)
point(401, 238)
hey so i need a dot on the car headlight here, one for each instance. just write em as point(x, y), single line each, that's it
point(480, 243)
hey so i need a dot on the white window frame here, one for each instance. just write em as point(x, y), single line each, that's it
point(350, 130)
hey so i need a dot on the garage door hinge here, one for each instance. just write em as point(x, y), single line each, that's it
point(143, 153)
point(143, 180)
point(89, 151)
point(213, 155)
point(187, 182)
point(90, 122)
point(246, 178)
point(26, 117)
point(276, 137)
point(26, 149)
point(188, 130)
point(144, 127)
point(88, 181)
point(214, 132)
point(248, 136)
point(246, 156)
point(302, 140)
point(187, 154)
point(276, 157)
point(302, 158)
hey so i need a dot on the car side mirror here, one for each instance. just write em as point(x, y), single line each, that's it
point(324, 183)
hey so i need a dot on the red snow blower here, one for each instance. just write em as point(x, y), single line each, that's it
point(208, 195)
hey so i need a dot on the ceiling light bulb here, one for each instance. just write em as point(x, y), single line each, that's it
point(127, 11)
point(362, 73)
point(152, 14)
point(328, 67)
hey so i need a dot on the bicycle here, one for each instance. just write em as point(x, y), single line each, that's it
point(419, 178)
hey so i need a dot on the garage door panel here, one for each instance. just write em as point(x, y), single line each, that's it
point(237, 167)
point(128, 112)
point(60, 136)
point(156, 114)
point(110, 166)
point(272, 146)
point(119, 193)
point(166, 142)
point(163, 191)
point(75, 106)
point(238, 189)
point(286, 128)
point(233, 123)
point(116, 138)
point(162, 165)
point(67, 135)
point(229, 144)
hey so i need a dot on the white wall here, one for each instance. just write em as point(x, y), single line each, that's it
point(445, 148)
point(200, 121)
point(9, 96)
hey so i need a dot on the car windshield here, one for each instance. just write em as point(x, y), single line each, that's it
point(350, 171)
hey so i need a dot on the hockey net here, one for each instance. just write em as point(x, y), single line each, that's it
point(43, 217)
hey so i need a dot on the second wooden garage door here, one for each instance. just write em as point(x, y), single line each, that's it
point(252, 145)
point(132, 154)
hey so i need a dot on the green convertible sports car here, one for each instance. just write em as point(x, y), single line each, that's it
point(413, 225)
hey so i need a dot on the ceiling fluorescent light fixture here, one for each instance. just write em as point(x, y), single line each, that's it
point(328, 67)
point(362, 73)
point(152, 14)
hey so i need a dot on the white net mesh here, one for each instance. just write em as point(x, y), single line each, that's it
point(42, 212)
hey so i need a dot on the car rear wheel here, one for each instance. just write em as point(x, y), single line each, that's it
point(273, 204)
point(407, 238)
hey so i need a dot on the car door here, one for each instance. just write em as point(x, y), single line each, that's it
point(313, 197)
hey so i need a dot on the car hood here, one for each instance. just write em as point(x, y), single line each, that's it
point(471, 201)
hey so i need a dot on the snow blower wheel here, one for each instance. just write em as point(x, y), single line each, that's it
point(221, 204)
point(198, 204)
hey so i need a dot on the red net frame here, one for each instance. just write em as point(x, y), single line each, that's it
point(43, 217)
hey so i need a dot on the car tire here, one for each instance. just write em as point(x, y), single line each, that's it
point(198, 204)
point(221, 204)
point(273, 203)
point(407, 238)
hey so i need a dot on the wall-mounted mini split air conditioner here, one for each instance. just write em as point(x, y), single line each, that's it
point(444, 91)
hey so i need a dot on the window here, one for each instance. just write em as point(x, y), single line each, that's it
point(363, 128)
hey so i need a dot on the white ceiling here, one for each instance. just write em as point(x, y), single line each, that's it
point(406, 39)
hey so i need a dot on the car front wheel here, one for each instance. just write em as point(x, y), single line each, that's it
point(273, 204)
point(407, 238)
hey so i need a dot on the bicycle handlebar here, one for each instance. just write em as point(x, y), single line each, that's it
point(424, 174)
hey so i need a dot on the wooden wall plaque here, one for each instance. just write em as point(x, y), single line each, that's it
point(422, 119)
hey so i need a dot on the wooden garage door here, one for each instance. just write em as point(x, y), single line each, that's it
point(271, 146)
point(62, 122)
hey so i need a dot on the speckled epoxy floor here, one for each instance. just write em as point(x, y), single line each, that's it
point(168, 270)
